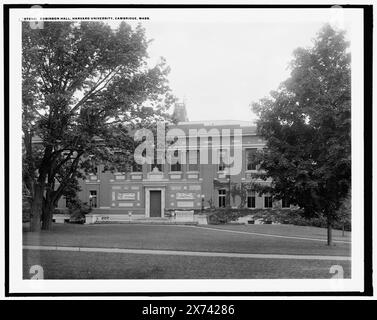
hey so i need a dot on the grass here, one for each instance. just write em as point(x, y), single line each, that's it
point(179, 238)
point(288, 230)
point(85, 265)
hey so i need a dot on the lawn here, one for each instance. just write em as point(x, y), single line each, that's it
point(85, 265)
point(190, 238)
point(288, 230)
point(250, 239)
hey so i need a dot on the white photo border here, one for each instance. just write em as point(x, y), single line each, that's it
point(245, 286)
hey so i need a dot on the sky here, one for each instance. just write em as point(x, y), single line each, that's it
point(223, 60)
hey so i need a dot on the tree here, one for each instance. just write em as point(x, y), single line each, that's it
point(85, 87)
point(344, 213)
point(306, 124)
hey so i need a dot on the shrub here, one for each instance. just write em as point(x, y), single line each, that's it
point(77, 210)
point(283, 216)
point(25, 209)
point(225, 215)
point(26, 204)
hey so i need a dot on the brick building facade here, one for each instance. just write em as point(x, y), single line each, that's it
point(155, 190)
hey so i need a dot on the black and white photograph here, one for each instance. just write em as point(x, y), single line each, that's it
point(187, 149)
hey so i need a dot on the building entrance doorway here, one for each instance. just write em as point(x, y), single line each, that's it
point(155, 203)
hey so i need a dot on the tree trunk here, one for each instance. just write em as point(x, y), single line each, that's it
point(36, 209)
point(47, 218)
point(47, 214)
point(329, 232)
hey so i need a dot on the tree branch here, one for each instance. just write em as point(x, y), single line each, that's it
point(93, 90)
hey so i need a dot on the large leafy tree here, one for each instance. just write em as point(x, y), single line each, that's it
point(307, 126)
point(85, 87)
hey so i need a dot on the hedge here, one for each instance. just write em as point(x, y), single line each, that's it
point(283, 216)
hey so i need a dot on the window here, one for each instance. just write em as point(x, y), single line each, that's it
point(68, 201)
point(251, 161)
point(93, 198)
point(222, 156)
point(135, 167)
point(176, 166)
point(222, 198)
point(193, 160)
point(268, 202)
point(251, 199)
point(285, 203)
